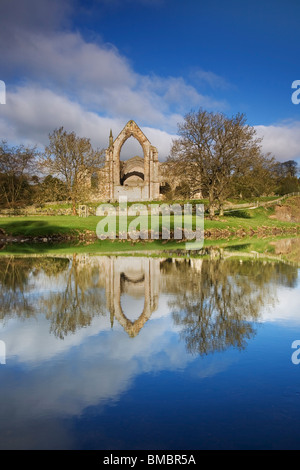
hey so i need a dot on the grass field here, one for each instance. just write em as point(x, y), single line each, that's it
point(38, 226)
point(236, 248)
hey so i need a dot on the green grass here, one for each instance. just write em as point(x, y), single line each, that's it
point(106, 246)
point(39, 226)
point(252, 199)
point(237, 247)
point(34, 226)
point(248, 219)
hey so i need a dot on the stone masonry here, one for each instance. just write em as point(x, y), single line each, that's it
point(137, 178)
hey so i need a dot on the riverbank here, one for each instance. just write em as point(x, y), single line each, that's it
point(275, 249)
point(262, 221)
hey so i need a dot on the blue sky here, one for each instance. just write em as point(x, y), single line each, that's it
point(91, 66)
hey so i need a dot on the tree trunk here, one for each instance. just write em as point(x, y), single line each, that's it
point(221, 210)
point(211, 205)
point(211, 211)
point(74, 207)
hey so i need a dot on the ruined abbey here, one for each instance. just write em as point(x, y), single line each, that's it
point(140, 179)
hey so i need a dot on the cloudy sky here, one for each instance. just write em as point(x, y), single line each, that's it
point(93, 65)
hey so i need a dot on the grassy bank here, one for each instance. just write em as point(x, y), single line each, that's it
point(65, 208)
point(277, 249)
point(238, 222)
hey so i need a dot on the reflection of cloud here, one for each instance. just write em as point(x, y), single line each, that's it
point(105, 364)
point(32, 344)
point(132, 308)
point(94, 367)
point(287, 308)
point(213, 365)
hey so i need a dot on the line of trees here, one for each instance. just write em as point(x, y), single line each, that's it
point(16, 168)
point(68, 162)
point(215, 155)
point(73, 160)
point(222, 157)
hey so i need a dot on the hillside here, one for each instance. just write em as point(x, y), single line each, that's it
point(288, 210)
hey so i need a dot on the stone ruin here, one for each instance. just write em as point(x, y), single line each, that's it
point(137, 178)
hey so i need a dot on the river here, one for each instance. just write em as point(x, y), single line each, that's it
point(150, 352)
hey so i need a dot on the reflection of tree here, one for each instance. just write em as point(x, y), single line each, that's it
point(215, 300)
point(52, 267)
point(216, 305)
point(73, 307)
point(15, 282)
point(80, 300)
point(14, 274)
point(262, 272)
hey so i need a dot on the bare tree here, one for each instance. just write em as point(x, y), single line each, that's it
point(72, 159)
point(16, 166)
point(211, 150)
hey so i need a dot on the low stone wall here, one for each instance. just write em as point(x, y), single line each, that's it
point(34, 210)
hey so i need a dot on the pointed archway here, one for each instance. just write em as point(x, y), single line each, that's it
point(147, 188)
point(148, 270)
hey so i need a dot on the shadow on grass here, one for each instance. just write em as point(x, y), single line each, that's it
point(32, 228)
point(241, 247)
point(25, 248)
point(241, 214)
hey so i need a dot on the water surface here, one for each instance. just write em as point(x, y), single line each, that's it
point(112, 352)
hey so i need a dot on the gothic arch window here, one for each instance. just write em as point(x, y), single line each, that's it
point(137, 177)
point(132, 166)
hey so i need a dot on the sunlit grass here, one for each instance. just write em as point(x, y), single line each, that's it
point(43, 226)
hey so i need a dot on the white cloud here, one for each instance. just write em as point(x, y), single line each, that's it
point(31, 113)
point(86, 86)
point(282, 140)
point(210, 78)
point(99, 78)
point(65, 60)
point(160, 139)
point(89, 87)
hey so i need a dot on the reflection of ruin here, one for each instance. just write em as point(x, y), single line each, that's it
point(212, 300)
point(139, 278)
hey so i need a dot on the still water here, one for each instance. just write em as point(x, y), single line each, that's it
point(107, 352)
